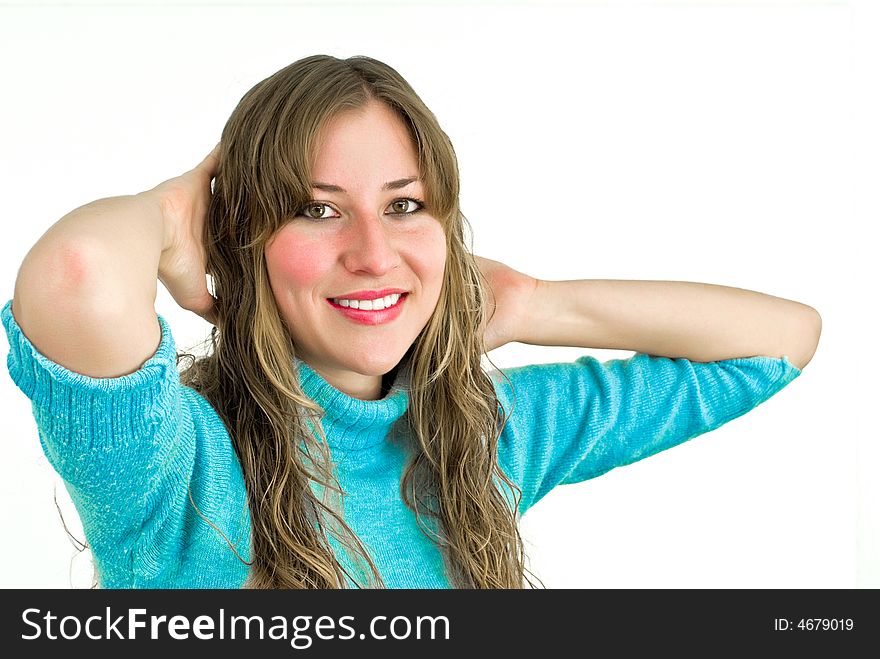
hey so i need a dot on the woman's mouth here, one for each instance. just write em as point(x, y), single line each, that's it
point(369, 305)
point(371, 312)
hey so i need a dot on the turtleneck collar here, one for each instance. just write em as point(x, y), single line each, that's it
point(350, 423)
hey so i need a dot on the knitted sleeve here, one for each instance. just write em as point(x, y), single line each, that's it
point(138, 454)
point(574, 421)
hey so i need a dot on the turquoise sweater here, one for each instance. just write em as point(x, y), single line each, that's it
point(131, 449)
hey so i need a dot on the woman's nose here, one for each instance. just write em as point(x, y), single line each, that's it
point(369, 246)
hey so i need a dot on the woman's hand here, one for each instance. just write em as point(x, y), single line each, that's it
point(185, 200)
point(509, 296)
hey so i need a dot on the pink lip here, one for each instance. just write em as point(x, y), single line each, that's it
point(369, 295)
point(365, 317)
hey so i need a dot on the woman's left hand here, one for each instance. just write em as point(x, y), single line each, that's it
point(510, 294)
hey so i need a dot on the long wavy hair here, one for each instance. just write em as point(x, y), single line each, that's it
point(249, 374)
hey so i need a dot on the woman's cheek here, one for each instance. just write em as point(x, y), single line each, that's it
point(295, 260)
point(434, 251)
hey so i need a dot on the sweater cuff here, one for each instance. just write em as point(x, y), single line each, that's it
point(777, 372)
point(69, 405)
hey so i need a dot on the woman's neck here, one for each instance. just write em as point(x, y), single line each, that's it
point(362, 387)
point(358, 385)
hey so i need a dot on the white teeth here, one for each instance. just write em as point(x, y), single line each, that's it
point(370, 305)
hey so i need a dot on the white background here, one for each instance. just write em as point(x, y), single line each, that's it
point(721, 142)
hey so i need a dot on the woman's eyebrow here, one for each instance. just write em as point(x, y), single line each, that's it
point(391, 185)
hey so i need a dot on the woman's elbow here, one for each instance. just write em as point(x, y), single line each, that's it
point(804, 344)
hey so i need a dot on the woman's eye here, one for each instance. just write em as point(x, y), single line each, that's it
point(401, 205)
point(405, 206)
point(314, 211)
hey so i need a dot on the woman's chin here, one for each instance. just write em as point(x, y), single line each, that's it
point(376, 365)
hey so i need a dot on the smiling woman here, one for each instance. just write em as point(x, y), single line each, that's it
point(345, 364)
point(317, 265)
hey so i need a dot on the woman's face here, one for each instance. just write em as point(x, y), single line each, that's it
point(362, 236)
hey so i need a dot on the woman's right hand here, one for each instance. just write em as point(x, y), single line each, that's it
point(185, 200)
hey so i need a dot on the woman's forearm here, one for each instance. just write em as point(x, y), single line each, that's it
point(695, 321)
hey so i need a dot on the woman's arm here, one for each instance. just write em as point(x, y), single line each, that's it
point(698, 322)
point(85, 292)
